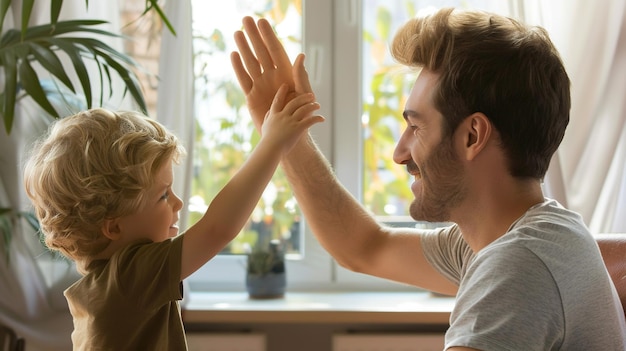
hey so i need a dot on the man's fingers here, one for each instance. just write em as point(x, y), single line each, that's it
point(278, 54)
point(263, 57)
point(245, 82)
point(252, 65)
point(300, 76)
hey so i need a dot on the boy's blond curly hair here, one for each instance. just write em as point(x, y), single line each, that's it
point(90, 167)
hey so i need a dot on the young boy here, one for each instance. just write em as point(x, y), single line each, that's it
point(101, 183)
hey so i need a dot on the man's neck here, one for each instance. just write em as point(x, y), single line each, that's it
point(488, 215)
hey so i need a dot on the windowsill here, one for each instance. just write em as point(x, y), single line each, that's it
point(330, 307)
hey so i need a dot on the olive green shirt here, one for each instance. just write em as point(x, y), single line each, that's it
point(131, 301)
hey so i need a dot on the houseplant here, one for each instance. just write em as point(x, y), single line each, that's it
point(265, 271)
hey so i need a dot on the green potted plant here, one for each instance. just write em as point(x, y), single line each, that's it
point(265, 271)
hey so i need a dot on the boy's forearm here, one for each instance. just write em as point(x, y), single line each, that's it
point(230, 209)
point(241, 194)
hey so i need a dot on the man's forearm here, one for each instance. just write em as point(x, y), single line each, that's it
point(336, 218)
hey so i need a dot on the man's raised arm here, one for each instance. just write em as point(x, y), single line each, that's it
point(341, 224)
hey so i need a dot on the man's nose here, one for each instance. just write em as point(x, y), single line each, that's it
point(402, 152)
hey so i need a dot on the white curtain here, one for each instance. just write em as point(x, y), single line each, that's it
point(588, 173)
point(175, 103)
point(30, 302)
point(32, 284)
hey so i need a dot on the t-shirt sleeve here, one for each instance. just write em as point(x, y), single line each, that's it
point(150, 269)
point(447, 252)
point(507, 302)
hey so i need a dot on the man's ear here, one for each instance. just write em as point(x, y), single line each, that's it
point(476, 132)
point(111, 228)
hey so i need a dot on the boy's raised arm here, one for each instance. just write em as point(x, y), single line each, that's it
point(229, 211)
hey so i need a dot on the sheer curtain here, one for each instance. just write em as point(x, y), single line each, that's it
point(175, 92)
point(588, 173)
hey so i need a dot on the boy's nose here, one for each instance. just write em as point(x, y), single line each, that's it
point(177, 203)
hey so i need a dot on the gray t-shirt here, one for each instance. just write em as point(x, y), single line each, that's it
point(541, 286)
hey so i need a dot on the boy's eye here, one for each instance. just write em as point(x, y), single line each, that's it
point(165, 196)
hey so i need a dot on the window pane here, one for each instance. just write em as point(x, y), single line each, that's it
point(225, 134)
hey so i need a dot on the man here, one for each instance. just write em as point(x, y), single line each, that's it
point(487, 111)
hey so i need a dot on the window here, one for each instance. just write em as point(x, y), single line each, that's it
point(225, 134)
point(364, 102)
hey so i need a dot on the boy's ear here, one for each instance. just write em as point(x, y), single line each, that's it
point(111, 229)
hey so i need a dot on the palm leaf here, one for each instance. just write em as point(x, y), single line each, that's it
point(119, 62)
point(107, 71)
point(42, 44)
point(10, 89)
point(154, 5)
point(64, 27)
point(91, 43)
point(27, 8)
point(32, 220)
point(9, 37)
point(30, 82)
point(79, 67)
point(55, 10)
point(4, 8)
point(5, 228)
point(50, 61)
point(8, 220)
point(87, 50)
point(131, 81)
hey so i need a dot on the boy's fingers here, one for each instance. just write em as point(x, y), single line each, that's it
point(279, 99)
point(308, 109)
point(311, 120)
point(299, 102)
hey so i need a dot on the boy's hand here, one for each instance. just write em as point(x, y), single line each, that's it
point(263, 74)
point(287, 119)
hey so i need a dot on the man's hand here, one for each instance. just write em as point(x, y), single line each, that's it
point(261, 76)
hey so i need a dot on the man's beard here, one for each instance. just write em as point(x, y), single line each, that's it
point(443, 186)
